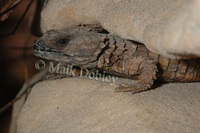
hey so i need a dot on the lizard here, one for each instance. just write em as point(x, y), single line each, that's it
point(122, 57)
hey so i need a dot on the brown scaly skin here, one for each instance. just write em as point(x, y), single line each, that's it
point(115, 55)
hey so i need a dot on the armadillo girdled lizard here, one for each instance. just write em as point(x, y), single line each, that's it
point(115, 55)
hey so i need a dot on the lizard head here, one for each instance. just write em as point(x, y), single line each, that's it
point(78, 48)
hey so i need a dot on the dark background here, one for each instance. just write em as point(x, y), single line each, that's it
point(16, 65)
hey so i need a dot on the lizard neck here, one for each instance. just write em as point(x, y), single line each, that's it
point(116, 50)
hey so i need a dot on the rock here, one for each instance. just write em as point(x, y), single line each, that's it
point(170, 28)
point(84, 105)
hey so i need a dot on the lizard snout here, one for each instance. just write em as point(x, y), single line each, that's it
point(38, 45)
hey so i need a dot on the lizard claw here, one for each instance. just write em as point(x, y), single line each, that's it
point(124, 85)
point(134, 88)
point(123, 89)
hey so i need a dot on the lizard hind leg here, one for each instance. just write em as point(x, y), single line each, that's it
point(146, 78)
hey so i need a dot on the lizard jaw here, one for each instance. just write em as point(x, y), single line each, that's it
point(42, 50)
point(47, 52)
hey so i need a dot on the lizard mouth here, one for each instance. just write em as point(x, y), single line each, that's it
point(46, 51)
point(49, 53)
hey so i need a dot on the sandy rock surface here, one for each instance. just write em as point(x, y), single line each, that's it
point(82, 105)
point(168, 27)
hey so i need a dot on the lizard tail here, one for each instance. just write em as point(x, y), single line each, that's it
point(191, 74)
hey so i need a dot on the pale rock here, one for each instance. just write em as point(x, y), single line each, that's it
point(81, 105)
point(168, 27)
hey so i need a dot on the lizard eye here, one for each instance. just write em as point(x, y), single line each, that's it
point(62, 42)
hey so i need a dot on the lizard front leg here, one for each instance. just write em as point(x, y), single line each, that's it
point(147, 70)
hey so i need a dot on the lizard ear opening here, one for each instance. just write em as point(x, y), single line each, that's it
point(62, 42)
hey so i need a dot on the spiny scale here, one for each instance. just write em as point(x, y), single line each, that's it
point(132, 59)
